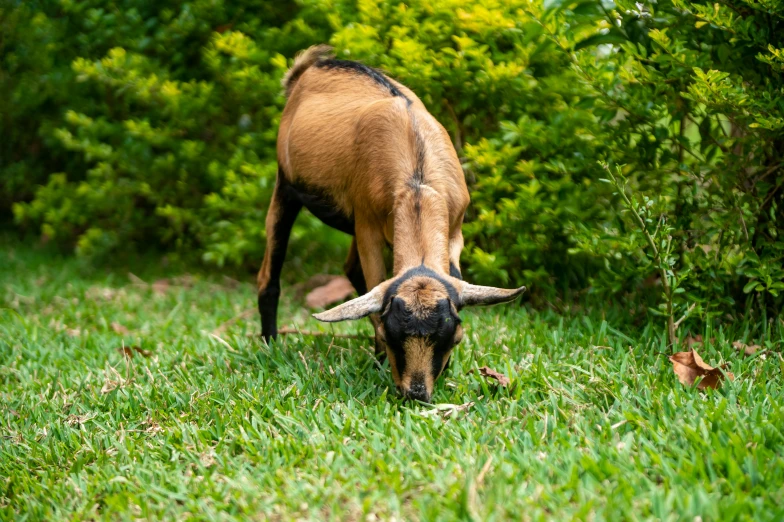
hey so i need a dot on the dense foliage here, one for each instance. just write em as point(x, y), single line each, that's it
point(154, 124)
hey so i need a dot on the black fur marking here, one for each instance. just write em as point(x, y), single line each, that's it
point(360, 68)
point(420, 270)
point(419, 168)
point(321, 206)
point(455, 272)
point(438, 327)
point(268, 298)
point(418, 389)
point(418, 177)
point(357, 276)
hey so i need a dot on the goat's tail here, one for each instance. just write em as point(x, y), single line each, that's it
point(302, 61)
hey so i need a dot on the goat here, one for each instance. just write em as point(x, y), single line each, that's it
point(363, 154)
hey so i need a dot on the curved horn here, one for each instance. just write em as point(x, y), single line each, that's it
point(357, 308)
point(487, 295)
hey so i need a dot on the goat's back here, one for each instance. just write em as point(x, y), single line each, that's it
point(356, 138)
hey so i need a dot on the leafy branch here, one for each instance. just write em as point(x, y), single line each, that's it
point(659, 243)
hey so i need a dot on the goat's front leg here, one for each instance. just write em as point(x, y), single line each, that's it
point(282, 212)
point(455, 248)
point(370, 246)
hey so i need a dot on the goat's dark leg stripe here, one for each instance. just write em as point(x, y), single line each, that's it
point(353, 269)
point(455, 272)
point(288, 208)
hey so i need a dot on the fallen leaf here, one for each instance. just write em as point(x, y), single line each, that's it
point(129, 351)
point(692, 340)
point(746, 348)
point(303, 287)
point(502, 379)
point(335, 291)
point(447, 410)
point(160, 286)
point(689, 366)
point(120, 329)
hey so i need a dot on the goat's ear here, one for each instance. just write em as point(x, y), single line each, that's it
point(471, 295)
point(358, 308)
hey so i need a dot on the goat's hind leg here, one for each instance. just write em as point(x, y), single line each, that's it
point(282, 212)
point(353, 269)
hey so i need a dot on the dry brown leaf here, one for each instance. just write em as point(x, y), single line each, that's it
point(746, 348)
point(692, 340)
point(500, 378)
point(129, 351)
point(120, 329)
point(160, 286)
point(689, 366)
point(335, 291)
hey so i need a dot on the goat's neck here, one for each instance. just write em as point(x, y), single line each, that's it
point(421, 230)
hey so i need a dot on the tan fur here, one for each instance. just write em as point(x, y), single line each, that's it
point(302, 61)
point(421, 295)
point(424, 234)
point(419, 360)
point(347, 137)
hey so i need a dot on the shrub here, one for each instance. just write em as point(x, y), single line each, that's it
point(692, 95)
point(157, 125)
point(169, 138)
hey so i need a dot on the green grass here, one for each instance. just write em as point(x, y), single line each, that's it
point(594, 424)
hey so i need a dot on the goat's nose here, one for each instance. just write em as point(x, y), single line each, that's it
point(418, 391)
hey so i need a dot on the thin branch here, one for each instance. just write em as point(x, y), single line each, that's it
point(657, 258)
point(688, 311)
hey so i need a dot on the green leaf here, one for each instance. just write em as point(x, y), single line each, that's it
point(613, 36)
point(750, 286)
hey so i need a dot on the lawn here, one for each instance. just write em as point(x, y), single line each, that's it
point(123, 398)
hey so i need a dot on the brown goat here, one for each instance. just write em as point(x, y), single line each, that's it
point(362, 153)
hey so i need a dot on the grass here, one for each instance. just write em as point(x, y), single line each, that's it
point(593, 426)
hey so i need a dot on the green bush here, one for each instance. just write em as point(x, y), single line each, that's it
point(692, 95)
point(154, 125)
point(168, 139)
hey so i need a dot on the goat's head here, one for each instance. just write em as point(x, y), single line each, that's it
point(419, 322)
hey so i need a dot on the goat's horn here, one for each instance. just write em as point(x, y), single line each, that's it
point(357, 308)
point(487, 295)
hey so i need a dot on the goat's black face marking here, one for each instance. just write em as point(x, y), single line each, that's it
point(420, 324)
